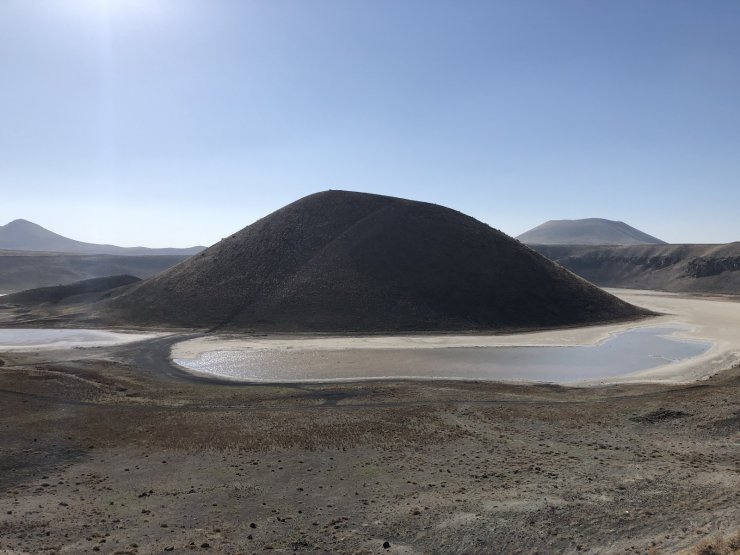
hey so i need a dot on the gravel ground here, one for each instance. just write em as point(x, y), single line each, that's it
point(113, 451)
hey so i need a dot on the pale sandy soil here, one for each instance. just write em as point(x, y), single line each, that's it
point(708, 319)
point(48, 339)
point(714, 319)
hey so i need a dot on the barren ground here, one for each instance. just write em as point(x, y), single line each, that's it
point(112, 450)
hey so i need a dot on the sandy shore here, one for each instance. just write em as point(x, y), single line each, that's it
point(707, 319)
point(713, 319)
point(61, 339)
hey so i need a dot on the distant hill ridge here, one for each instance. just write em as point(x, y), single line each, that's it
point(676, 268)
point(589, 231)
point(23, 235)
point(20, 270)
point(342, 261)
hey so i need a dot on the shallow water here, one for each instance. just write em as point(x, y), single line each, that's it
point(623, 353)
point(19, 339)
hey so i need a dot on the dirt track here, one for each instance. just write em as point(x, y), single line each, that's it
point(115, 451)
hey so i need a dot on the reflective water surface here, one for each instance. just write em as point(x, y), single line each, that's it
point(623, 353)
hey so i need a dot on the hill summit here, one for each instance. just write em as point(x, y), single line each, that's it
point(342, 261)
point(590, 231)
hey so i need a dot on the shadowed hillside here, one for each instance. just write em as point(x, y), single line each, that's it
point(23, 235)
point(591, 231)
point(21, 270)
point(343, 261)
point(65, 292)
point(677, 268)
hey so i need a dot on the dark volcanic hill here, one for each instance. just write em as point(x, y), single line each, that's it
point(23, 235)
point(677, 268)
point(340, 261)
point(591, 231)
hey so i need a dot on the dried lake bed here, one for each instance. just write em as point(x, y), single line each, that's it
point(693, 338)
point(634, 350)
point(21, 339)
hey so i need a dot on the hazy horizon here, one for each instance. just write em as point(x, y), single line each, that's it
point(204, 244)
point(167, 123)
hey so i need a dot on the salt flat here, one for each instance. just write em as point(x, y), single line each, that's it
point(24, 339)
point(705, 319)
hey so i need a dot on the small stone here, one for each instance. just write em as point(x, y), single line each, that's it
point(386, 545)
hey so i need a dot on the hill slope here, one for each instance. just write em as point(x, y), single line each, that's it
point(339, 261)
point(591, 231)
point(28, 236)
point(59, 293)
point(20, 270)
point(677, 268)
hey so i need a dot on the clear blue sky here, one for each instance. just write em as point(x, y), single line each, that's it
point(177, 122)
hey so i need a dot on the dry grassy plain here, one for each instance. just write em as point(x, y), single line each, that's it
point(108, 451)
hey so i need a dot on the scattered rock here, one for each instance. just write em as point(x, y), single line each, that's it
point(659, 416)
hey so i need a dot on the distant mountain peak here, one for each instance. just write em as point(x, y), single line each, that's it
point(24, 235)
point(587, 231)
point(21, 222)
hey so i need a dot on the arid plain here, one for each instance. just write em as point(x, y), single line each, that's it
point(115, 450)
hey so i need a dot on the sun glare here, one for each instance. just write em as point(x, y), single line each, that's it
point(117, 9)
